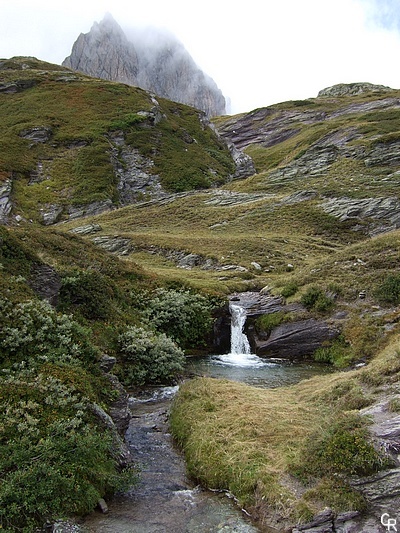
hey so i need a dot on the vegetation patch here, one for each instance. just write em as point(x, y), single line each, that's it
point(315, 298)
point(57, 459)
point(149, 357)
point(255, 442)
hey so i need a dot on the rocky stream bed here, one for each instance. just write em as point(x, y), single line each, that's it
point(164, 500)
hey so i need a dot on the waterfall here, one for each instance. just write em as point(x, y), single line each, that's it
point(239, 340)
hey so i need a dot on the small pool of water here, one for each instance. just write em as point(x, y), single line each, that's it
point(254, 370)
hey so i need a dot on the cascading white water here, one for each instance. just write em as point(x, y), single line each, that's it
point(239, 341)
point(240, 354)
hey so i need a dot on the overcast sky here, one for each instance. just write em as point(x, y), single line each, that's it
point(259, 52)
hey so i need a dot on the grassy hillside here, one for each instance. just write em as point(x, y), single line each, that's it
point(139, 281)
point(59, 147)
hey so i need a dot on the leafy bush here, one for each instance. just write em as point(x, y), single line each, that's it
point(34, 330)
point(339, 353)
point(129, 120)
point(149, 357)
point(89, 292)
point(315, 298)
point(389, 290)
point(54, 462)
point(182, 315)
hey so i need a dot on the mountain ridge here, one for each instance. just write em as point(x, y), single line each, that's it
point(151, 59)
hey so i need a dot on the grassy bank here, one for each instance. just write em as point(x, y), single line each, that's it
point(284, 453)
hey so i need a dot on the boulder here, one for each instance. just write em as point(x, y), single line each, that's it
point(119, 408)
point(50, 214)
point(5, 200)
point(39, 134)
point(258, 303)
point(352, 89)
point(88, 229)
point(46, 282)
point(294, 340)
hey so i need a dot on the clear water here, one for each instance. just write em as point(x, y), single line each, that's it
point(164, 500)
point(254, 370)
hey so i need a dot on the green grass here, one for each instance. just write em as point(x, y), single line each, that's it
point(80, 114)
point(285, 453)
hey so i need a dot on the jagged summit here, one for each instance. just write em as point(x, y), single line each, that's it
point(152, 59)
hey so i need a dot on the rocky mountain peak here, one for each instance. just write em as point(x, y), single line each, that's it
point(152, 59)
point(99, 52)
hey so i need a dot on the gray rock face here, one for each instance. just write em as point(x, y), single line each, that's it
point(119, 409)
point(39, 134)
point(135, 180)
point(244, 164)
point(88, 229)
point(385, 211)
point(50, 214)
point(95, 208)
point(270, 126)
point(104, 52)
point(5, 200)
point(152, 60)
point(296, 339)
point(46, 282)
point(257, 303)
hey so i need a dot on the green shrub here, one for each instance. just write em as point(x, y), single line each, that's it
point(149, 357)
point(54, 461)
point(341, 448)
point(182, 315)
point(266, 323)
point(389, 290)
point(315, 298)
point(34, 331)
point(129, 120)
point(290, 289)
point(339, 353)
point(88, 292)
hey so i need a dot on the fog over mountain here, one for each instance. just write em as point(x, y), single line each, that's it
point(150, 58)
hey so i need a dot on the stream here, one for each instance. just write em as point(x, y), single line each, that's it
point(164, 500)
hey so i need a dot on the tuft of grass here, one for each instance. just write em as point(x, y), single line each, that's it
point(250, 440)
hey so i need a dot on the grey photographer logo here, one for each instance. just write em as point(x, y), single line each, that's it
point(389, 523)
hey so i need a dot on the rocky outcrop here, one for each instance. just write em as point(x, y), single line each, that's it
point(257, 303)
point(46, 282)
point(273, 125)
point(152, 59)
point(37, 135)
point(352, 89)
point(295, 340)
point(244, 164)
point(136, 182)
point(5, 200)
point(384, 212)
